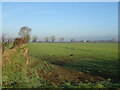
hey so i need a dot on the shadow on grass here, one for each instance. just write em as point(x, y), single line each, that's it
point(103, 68)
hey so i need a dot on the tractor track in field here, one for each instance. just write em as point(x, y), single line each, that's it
point(61, 75)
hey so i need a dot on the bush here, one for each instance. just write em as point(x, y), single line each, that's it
point(19, 42)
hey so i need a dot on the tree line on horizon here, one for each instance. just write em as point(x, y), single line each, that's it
point(25, 37)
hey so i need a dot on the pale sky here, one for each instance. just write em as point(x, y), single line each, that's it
point(77, 20)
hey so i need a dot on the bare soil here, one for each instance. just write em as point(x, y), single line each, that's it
point(62, 75)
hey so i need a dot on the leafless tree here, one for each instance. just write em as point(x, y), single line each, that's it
point(46, 39)
point(6, 40)
point(52, 38)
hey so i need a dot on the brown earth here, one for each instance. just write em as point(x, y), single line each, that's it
point(62, 75)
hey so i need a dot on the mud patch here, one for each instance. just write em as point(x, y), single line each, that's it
point(62, 75)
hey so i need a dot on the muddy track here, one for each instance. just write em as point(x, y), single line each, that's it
point(61, 75)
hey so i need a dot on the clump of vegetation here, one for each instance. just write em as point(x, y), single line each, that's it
point(19, 42)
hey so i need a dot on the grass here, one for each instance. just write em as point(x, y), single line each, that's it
point(16, 73)
point(50, 61)
point(107, 51)
point(96, 58)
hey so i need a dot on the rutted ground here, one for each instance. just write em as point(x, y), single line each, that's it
point(62, 75)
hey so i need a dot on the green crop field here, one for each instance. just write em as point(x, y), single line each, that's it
point(77, 65)
point(98, 58)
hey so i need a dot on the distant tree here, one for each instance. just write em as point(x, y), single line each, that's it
point(24, 33)
point(46, 39)
point(34, 38)
point(72, 40)
point(61, 39)
point(52, 38)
